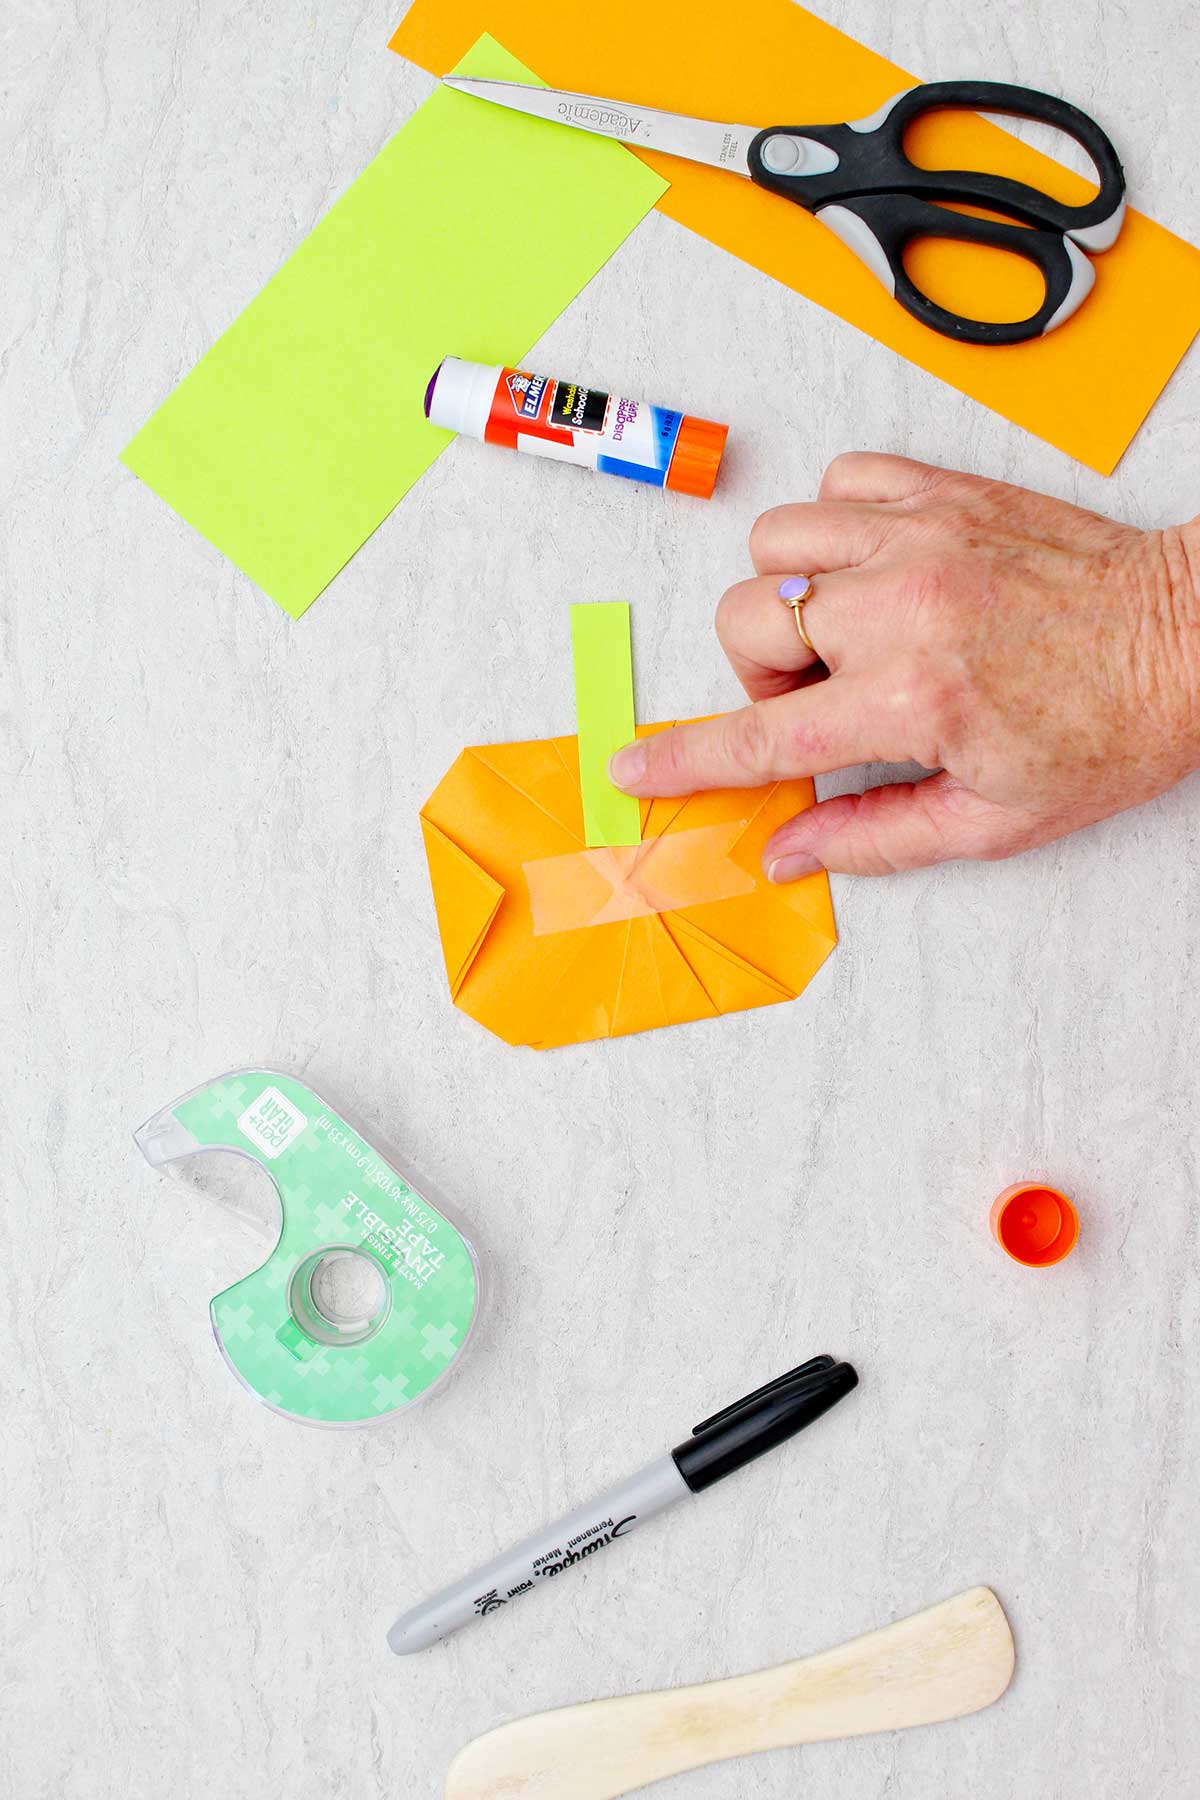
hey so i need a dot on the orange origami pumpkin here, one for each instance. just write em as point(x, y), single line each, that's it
point(547, 942)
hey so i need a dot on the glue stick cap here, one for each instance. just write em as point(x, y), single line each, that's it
point(1035, 1224)
point(459, 395)
point(698, 452)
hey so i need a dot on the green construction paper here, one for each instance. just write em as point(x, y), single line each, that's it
point(604, 714)
point(295, 435)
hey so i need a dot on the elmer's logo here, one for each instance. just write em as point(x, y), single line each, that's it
point(525, 392)
point(271, 1122)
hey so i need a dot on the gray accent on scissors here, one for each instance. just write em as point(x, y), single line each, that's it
point(1083, 274)
point(699, 140)
point(1103, 235)
point(874, 120)
point(858, 236)
point(786, 154)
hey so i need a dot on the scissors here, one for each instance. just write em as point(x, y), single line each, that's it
point(857, 179)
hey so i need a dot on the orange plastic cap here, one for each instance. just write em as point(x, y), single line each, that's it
point(1036, 1225)
point(698, 451)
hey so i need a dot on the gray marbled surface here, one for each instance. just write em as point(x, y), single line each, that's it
point(217, 861)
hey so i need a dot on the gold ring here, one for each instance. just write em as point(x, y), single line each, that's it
point(796, 601)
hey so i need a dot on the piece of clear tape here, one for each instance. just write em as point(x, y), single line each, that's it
point(609, 883)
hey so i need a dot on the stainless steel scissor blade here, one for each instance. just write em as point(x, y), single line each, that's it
point(699, 140)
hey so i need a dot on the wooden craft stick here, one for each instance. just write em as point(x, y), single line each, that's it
point(943, 1663)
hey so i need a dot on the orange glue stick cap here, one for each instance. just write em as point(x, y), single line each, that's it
point(1036, 1225)
point(697, 458)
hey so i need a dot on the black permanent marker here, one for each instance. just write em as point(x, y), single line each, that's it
point(717, 1447)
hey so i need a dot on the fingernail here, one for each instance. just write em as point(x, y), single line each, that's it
point(795, 587)
point(791, 868)
point(627, 767)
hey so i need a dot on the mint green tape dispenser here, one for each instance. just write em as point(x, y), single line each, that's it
point(341, 1198)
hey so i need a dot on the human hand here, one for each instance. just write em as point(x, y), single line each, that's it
point(1044, 659)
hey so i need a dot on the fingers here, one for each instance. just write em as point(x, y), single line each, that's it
point(867, 475)
point(909, 826)
point(817, 534)
point(758, 632)
point(858, 540)
point(827, 726)
point(862, 501)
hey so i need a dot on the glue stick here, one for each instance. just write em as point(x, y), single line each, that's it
point(576, 424)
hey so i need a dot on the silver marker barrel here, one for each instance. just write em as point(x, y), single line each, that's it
point(542, 1557)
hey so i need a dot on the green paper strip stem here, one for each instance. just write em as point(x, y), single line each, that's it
point(604, 711)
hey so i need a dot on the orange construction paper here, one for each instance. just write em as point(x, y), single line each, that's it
point(502, 806)
point(1084, 388)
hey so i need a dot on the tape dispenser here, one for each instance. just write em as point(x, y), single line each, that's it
point(340, 1197)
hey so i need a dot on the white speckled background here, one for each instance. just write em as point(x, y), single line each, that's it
point(214, 814)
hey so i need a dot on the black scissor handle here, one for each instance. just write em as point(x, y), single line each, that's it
point(871, 159)
point(859, 180)
point(880, 227)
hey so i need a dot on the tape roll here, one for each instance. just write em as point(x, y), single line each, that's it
point(342, 1199)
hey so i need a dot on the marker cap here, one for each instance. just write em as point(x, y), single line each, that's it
point(765, 1418)
point(1034, 1224)
point(697, 458)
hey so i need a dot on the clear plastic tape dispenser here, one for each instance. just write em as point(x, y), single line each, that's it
point(340, 1197)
